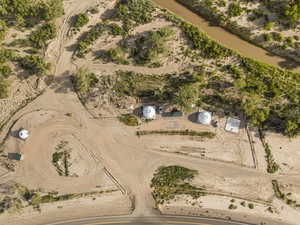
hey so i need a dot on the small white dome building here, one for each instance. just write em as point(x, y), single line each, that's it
point(204, 117)
point(149, 112)
point(23, 134)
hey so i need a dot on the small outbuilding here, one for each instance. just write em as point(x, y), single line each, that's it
point(15, 156)
point(23, 134)
point(204, 117)
point(232, 125)
point(149, 112)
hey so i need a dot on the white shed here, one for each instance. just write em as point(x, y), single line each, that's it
point(149, 112)
point(23, 134)
point(204, 117)
point(232, 125)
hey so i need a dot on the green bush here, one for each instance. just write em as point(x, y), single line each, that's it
point(116, 55)
point(35, 65)
point(89, 38)
point(5, 71)
point(234, 10)
point(154, 44)
point(4, 88)
point(129, 120)
point(115, 29)
point(169, 181)
point(40, 37)
point(138, 11)
point(30, 12)
point(3, 29)
point(277, 36)
point(81, 20)
point(251, 206)
point(84, 80)
point(268, 25)
point(205, 134)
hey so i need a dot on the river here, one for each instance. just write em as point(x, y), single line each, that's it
point(226, 38)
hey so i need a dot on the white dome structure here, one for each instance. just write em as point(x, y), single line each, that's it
point(23, 134)
point(204, 117)
point(149, 112)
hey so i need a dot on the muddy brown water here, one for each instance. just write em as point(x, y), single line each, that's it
point(226, 38)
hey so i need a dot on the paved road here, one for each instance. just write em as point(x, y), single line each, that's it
point(166, 220)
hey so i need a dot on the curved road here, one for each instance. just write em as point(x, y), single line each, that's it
point(165, 220)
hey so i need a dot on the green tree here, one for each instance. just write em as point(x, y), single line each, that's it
point(255, 110)
point(292, 11)
point(186, 96)
point(40, 37)
point(81, 20)
point(35, 65)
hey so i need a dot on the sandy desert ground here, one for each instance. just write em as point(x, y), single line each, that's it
point(58, 115)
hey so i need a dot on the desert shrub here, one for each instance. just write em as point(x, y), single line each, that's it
point(138, 11)
point(129, 120)
point(81, 20)
point(268, 37)
point(115, 29)
point(277, 36)
point(4, 88)
point(268, 25)
point(251, 206)
point(232, 206)
point(40, 37)
point(89, 38)
point(6, 55)
point(234, 10)
point(34, 65)
point(3, 29)
point(30, 12)
point(169, 181)
point(5, 71)
point(203, 134)
point(116, 55)
point(84, 80)
point(292, 11)
point(149, 47)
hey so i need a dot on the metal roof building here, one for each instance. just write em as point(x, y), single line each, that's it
point(232, 125)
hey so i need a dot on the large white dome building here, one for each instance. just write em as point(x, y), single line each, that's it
point(149, 112)
point(204, 117)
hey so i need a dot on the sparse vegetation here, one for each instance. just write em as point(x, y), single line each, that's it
point(40, 37)
point(61, 157)
point(204, 134)
point(89, 38)
point(34, 65)
point(80, 20)
point(84, 80)
point(151, 46)
point(134, 12)
point(169, 181)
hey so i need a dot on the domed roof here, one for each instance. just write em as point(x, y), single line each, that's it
point(23, 134)
point(204, 117)
point(149, 112)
